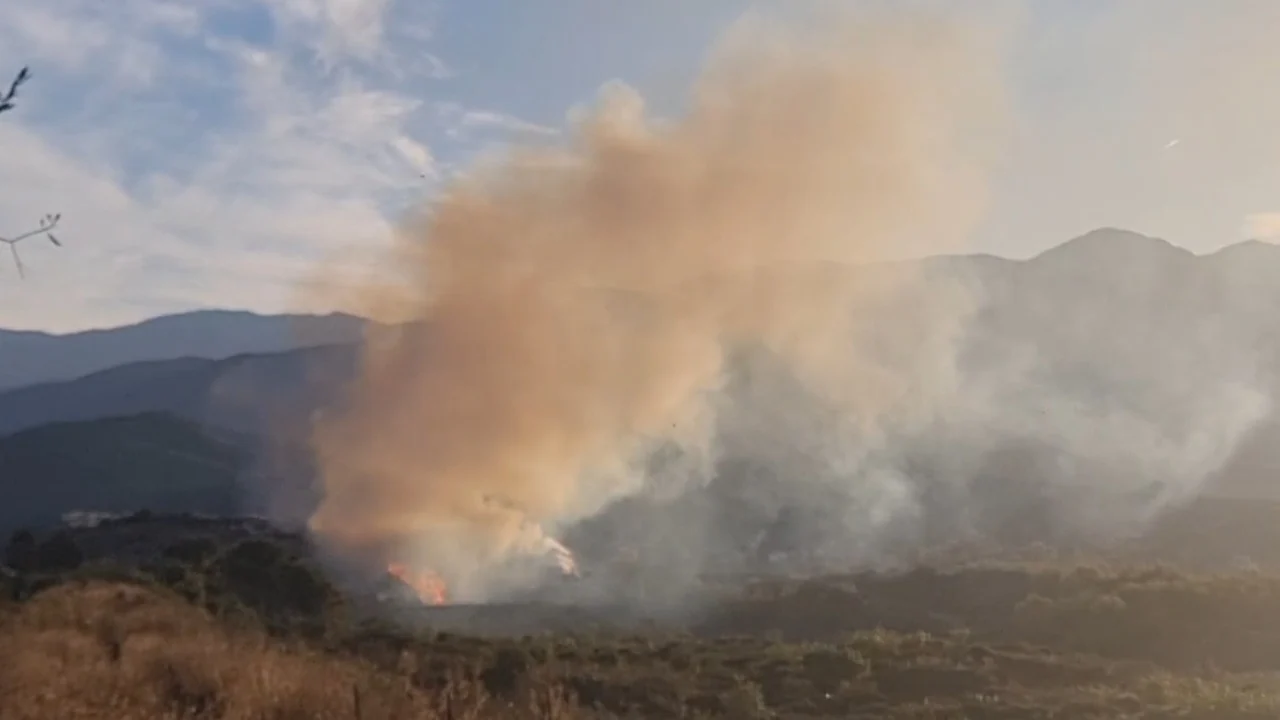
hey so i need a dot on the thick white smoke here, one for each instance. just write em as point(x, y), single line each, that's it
point(682, 341)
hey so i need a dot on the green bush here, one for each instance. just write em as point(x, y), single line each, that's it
point(285, 592)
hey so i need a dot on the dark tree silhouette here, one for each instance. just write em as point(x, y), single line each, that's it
point(21, 552)
point(59, 553)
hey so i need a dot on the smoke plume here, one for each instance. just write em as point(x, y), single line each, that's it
point(573, 306)
point(692, 340)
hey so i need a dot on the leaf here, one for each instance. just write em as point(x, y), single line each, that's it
point(54, 240)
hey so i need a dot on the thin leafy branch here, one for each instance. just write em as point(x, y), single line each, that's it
point(49, 221)
point(7, 98)
point(47, 224)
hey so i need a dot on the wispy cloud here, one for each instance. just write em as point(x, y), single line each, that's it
point(337, 29)
point(207, 153)
point(463, 122)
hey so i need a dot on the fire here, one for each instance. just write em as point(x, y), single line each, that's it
point(429, 586)
point(563, 557)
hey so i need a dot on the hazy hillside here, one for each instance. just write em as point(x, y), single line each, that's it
point(27, 358)
point(1116, 322)
point(249, 393)
point(151, 461)
point(1111, 322)
point(1080, 303)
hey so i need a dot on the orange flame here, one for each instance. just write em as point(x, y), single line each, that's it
point(429, 586)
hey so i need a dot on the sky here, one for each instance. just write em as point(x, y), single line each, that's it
point(208, 154)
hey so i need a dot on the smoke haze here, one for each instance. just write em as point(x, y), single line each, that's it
point(1105, 87)
point(664, 337)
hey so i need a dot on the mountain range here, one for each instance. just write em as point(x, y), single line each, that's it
point(1110, 318)
point(28, 358)
point(1088, 300)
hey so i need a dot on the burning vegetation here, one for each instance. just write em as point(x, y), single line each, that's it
point(537, 560)
point(574, 306)
point(427, 585)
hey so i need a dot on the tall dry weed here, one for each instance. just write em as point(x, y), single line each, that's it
point(117, 652)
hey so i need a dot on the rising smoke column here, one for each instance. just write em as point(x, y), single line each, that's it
point(574, 304)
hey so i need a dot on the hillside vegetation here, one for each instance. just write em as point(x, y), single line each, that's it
point(117, 465)
point(253, 630)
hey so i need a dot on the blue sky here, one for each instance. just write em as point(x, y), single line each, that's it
point(206, 153)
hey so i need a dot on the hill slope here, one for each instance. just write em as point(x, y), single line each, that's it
point(1111, 322)
point(27, 358)
point(1083, 303)
point(249, 393)
point(121, 465)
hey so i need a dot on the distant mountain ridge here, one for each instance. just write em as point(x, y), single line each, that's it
point(252, 393)
point(28, 357)
point(237, 369)
point(1092, 311)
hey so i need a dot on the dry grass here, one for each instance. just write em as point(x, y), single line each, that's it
point(108, 649)
point(103, 650)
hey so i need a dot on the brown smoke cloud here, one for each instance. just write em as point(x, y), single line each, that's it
point(572, 304)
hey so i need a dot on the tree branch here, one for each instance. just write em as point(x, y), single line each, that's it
point(6, 99)
point(47, 224)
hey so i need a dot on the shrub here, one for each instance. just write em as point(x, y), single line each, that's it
point(20, 554)
point(59, 554)
point(195, 552)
